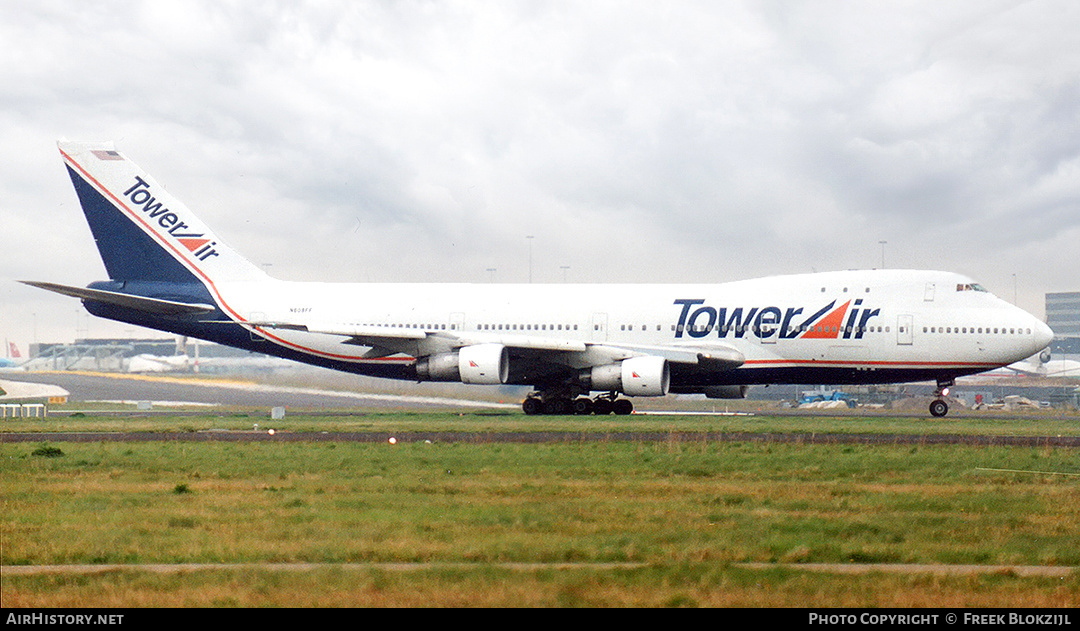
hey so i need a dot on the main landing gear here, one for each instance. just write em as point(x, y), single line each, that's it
point(545, 403)
point(938, 407)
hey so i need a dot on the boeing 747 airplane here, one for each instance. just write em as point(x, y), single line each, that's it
point(168, 271)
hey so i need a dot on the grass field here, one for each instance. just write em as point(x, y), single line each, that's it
point(752, 417)
point(689, 512)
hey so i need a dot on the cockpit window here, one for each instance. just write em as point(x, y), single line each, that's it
point(970, 287)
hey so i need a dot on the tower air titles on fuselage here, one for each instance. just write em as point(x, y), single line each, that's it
point(698, 320)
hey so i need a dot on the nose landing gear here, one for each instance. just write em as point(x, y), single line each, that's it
point(938, 407)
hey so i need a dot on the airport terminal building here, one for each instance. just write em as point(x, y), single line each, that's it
point(150, 355)
point(1063, 316)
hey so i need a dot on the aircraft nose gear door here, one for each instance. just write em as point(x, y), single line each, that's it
point(904, 334)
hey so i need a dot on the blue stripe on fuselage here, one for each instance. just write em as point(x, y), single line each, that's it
point(689, 377)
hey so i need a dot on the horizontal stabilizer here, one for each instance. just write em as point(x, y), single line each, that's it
point(139, 303)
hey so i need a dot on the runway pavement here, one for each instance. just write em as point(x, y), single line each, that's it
point(88, 387)
point(92, 386)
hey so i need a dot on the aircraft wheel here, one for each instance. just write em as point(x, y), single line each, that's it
point(623, 407)
point(558, 406)
point(583, 405)
point(601, 407)
point(938, 408)
point(532, 406)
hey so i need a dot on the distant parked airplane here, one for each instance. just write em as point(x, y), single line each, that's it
point(1044, 365)
point(169, 272)
point(12, 360)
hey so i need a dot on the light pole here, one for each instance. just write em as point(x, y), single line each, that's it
point(882, 253)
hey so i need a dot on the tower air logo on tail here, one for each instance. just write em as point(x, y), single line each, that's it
point(197, 243)
point(698, 320)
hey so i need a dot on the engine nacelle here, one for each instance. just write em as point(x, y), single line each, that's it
point(442, 367)
point(636, 376)
point(725, 392)
point(485, 364)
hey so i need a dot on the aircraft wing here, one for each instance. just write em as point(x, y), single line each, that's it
point(386, 341)
point(382, 341)
point(719, 356)
point(360, 336)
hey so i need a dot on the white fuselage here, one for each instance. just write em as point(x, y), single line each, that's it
point(871, 322)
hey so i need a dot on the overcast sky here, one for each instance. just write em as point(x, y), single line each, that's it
point(633, 141)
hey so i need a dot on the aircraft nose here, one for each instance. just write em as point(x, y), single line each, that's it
point(1043, 335)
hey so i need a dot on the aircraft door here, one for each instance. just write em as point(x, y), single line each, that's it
point(599, 327)
point(767, 330)
point(457, 321)
point(904, 334)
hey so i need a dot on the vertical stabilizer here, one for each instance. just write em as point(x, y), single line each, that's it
point(142, 232)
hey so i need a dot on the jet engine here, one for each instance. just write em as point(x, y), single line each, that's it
point(725, 392)
point(482, 364)
point(714, 392)
point(636, 376)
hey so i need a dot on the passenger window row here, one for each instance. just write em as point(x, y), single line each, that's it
point(980, 329)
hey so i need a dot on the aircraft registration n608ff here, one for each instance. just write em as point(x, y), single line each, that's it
point(168, 271)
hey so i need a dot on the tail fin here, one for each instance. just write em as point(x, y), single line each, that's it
point(143, 232)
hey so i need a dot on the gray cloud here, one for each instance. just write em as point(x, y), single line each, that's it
point(413, 141)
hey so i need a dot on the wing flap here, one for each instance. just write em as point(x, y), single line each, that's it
point(712, 356)
point(358, 336)
point(382, 341)
point(523, 342)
